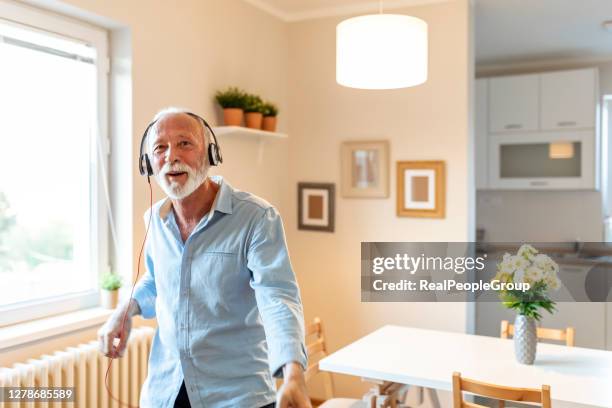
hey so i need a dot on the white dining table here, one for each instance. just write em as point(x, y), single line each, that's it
point(428, 358)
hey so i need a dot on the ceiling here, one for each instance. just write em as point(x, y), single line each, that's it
point(522, 30)
point(506, 31)
point(296, 10)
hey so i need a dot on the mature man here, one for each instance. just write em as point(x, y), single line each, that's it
point(220, 283)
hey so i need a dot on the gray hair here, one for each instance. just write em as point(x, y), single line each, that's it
point(171, 110)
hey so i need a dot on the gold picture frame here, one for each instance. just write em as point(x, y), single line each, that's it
point(365, 169)
point(421, 189)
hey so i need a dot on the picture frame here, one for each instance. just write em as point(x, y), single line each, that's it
point(365, 169)
point(421, 189)
point(316, 206)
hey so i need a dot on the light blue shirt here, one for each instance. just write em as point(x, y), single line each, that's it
point(227, 304)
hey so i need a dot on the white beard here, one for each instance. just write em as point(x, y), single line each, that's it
point(174, 189)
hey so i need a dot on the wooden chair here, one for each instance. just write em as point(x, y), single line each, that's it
point(497, 392)
point(316, 349)
point(567, 335)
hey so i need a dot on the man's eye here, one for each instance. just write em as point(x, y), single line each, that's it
point(185, 143)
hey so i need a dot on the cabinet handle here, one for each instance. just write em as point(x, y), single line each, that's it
point(538, 183)
point(567, 123)
point(513, 126)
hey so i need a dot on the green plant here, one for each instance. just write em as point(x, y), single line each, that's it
point(232, 97)
point(269, 109)
point(252, 103)
point(110, 281)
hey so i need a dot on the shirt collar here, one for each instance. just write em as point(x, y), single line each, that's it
point(222, 202)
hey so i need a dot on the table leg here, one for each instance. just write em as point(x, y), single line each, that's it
point(385, 393)
point(420, 394)
point(433, 396)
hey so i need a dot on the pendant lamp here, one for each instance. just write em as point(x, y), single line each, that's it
point(381, 51)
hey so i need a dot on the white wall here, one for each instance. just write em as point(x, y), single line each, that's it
point(540, 216)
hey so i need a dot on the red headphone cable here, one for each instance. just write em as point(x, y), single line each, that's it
point(122, 332)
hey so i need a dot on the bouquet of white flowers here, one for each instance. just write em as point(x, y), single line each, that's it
point(539, 271)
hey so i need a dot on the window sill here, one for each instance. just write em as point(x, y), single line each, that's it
point(21, 333)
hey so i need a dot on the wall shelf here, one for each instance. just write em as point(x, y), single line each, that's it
point(253, 134)
point(244, 131)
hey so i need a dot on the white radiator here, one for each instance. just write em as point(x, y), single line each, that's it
point(84, 367)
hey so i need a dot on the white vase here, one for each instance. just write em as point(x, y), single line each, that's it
point(525, 339)
point(109, 298)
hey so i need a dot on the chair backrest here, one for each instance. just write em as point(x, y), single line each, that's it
point(315, 347)
point(497, 392)
point(567, 335)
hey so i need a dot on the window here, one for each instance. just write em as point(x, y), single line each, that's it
point(606, 167)
point(53, 225)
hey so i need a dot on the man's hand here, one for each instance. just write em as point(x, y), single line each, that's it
point(114, 329)
point(293, 394)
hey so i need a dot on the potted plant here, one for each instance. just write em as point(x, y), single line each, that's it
point(539, 271)
point(252, 111)
point(110, 284)
point(270, 111)
point(232, 101)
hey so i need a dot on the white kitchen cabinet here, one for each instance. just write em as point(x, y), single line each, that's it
point(542, 160)
point(542, 131)
point(481, 134)
point(609, 324)
point(568, 99)
point(514, 103)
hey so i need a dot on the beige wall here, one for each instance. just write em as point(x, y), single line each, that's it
point(183, 52)
point(428, 122)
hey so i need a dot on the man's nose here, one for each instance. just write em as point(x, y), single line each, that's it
point(171, 155)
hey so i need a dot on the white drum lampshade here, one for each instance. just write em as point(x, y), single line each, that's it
point(381, 51)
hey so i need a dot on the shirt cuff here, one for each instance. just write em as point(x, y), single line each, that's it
point(146, 301)
point(288, 354)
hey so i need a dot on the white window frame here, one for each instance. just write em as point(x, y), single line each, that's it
point(50, 23)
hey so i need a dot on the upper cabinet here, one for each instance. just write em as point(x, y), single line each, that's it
point(549, 101)
point(513, 103)
point(537, 131)
point(568, 99)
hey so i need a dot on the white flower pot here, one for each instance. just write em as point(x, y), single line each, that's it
point(109, 298)
point(525, 339)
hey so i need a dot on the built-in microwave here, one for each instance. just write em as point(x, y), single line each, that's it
point(543, 160)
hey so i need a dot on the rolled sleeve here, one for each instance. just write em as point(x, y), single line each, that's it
point(145, 292)
point(276, 292)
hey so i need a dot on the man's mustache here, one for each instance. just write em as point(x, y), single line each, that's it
point(175, 168)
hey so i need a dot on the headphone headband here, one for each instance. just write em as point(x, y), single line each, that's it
point(214, 151)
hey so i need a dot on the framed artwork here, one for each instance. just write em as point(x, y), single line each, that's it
point(365, 169)
point(316, 206)
point(421, 189)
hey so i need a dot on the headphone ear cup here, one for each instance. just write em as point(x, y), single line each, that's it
point(213, 155)
point(218, 155)
point(149, 168)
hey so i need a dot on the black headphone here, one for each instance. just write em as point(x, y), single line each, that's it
point(214, 152)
